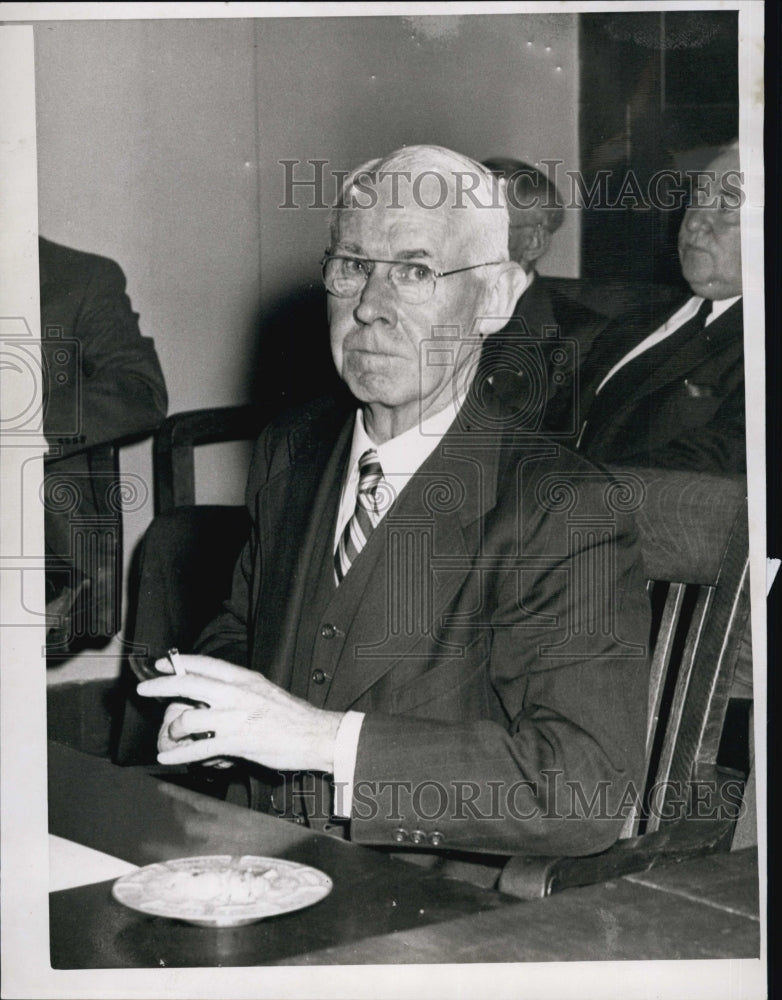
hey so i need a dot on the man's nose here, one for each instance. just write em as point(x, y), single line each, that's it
point(697, 219)
point(377, 300)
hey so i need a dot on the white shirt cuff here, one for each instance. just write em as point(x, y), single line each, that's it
point(345, 753)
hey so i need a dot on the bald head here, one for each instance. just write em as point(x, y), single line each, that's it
point(437, 181)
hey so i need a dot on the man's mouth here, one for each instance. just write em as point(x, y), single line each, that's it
point(689, 248)
point(372, 349)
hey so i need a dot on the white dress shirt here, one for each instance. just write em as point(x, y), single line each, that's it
point(400, 458)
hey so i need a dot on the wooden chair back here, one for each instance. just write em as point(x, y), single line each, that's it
point(175, 443)
point(95, 543)
point(694, 537)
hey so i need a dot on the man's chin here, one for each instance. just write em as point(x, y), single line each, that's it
point(697, 279)
point(371, 387)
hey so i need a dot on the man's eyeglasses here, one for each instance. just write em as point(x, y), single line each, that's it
point(346, 277)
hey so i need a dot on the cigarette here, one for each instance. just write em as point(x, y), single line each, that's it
point(173, 658)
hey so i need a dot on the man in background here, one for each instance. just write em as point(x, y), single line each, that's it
point(665, 389)
point(544, 314)
point(102, 382)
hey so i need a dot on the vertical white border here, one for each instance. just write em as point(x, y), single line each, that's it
point(751, 119)
point(22, 690)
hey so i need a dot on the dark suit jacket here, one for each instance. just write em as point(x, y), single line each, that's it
point(685, 413)
point(110, 383)
point(102, 378)
point(543, 305)
point(532, 361)
point(465, 630)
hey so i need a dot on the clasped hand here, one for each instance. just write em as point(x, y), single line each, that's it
point(245, 715)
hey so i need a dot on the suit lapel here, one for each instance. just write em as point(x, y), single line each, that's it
point(618, 339)
point(680, 355)
point(534, 308)
point(690, 352)
point(308, 493)
point(415, 561)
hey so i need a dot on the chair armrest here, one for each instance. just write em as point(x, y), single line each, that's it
point(176, 438)
point(536, 877)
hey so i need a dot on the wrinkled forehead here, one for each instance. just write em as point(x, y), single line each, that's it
point(417, 214)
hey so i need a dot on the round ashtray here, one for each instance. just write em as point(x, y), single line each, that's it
point(222, 890)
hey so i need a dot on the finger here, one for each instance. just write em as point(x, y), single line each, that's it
point(194, 721)
point(219, 670)
point(164, 666)
point(173, 711)
point(201, 689)
point(192, 751)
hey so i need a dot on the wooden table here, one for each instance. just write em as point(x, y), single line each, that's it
point(381, 910)
point(706, 908)
point(129, 815)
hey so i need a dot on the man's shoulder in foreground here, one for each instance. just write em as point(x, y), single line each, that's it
point(63, 265)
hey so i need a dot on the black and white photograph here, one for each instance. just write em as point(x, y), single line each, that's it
point(384, 554)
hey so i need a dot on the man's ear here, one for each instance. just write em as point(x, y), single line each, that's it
point(506, 286)
point(538, 245)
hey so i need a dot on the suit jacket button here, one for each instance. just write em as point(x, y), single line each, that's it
point(436, 838)
point(400, 835)
point(318, 677)
point(418, 836)
point(328, 631)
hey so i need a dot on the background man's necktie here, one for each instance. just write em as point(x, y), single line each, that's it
point(364, 518)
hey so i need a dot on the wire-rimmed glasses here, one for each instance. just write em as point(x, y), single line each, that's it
point(413, 281)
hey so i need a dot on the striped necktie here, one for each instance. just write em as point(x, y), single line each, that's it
point(364, 518)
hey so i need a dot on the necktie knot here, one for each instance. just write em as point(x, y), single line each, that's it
point(370, 473)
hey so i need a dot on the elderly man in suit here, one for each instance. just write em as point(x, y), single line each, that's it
point(667, 390)
point(413, 601)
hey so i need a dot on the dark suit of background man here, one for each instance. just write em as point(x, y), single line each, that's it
point(102, 381)
point(544, 312)
point(451, 674)
point(668, 390)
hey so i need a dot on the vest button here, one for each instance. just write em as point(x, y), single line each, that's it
point(318, 677)
point(328, 631)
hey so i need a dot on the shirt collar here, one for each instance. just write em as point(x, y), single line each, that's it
point(719, 306)
point(405, 453)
